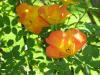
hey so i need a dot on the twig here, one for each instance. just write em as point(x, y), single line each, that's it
point(80, 19)
point(89, 13)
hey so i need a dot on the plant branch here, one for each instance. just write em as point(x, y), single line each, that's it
point(90, 13)
point(80, 19)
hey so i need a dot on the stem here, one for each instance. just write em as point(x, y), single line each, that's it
point(89, 13)
point(80, 19)
point(85, 70)
point(72, 71)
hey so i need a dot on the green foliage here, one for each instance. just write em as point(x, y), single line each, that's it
point(15, 59)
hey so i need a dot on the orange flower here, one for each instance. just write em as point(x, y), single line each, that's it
point(34, 18)
point(63, 44)
point(54, 52)
point(54, 14)
point(29, 17)
point(76, 40)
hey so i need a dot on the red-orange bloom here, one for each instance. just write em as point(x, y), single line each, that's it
point(34, 18)
point(63, 44)
point(29, 17)
point(54, 14)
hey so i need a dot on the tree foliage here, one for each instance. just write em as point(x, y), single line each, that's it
point(23, 52)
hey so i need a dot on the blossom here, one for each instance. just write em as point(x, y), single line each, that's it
point(35, 18)
point(29, 17)
point(64, 44)
point(54, 14)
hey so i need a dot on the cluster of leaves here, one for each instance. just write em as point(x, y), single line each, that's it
point(23, 53)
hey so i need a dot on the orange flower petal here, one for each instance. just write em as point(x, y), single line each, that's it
point(53, 52)
point(77, 37)
point(64, 13)
point(68, 43)
point(57, 38)
point(30, 18)
point(54, 14)
point(23, 10)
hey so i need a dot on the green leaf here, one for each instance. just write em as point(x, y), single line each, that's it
point(95, 64)
point(1, 21)
point(18, 38)
point(7, 55)
point(42, 65)
point(49, 72)
point(7, 29)
point(1, 33)
point(2, 43)
point(6, 20)
point(15, 51)
point(16, 48)
point(78, 68)
point(14, 21)
point(19, 35)
point(12, 2)
point(40, 57)
point(51, 66)
point(85, 69)
point(62, 65)
point(14, 31)
point(91, 51)
point(97, 32)
point(62, 72)
point(10, 42)
point(30, 42)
